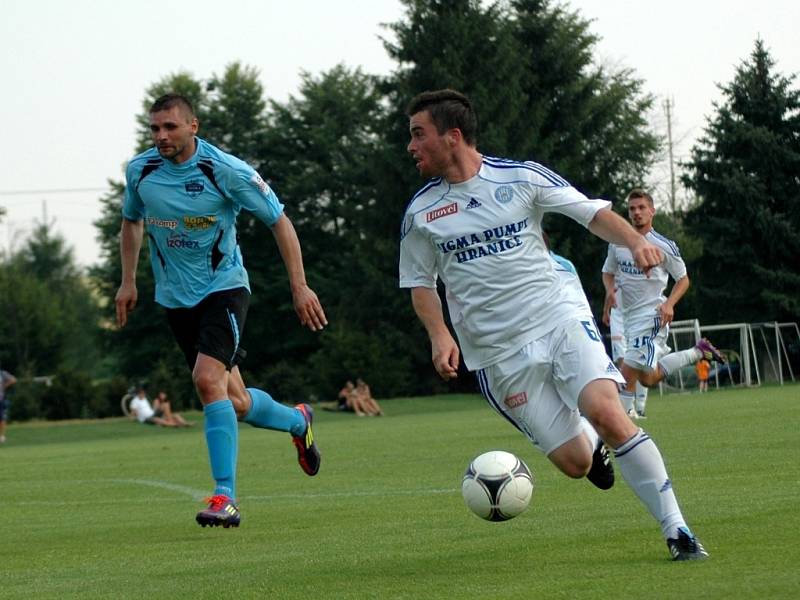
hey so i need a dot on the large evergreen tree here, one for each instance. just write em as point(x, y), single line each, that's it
point(744, 171)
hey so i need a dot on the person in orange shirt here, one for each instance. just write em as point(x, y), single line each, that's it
point(702, 367)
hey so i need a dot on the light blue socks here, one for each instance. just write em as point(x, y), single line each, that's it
point(222, 438)
point(269, 414)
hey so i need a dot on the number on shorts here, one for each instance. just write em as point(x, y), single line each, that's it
point(591, 331)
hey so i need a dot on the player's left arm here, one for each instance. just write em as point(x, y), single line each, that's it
point(306, 304)
point(675, 266)
point(667, 310)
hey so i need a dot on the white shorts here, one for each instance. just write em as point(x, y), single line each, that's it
point(617, 347)
point(537, 388)
point(646, 343)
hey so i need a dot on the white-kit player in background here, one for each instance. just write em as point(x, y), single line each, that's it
point(537, 354)
point(646, 312)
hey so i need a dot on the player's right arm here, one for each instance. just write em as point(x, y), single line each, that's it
point(444, 350)
point(130, 243)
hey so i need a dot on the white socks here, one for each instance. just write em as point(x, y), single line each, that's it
point(627, 399)
point(676, 360)
point(641, 398)
point(643, 468)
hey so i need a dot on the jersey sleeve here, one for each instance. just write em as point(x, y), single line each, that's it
point(250, 192)
point(132, 205)
point(610, 266)
point(417, 258)
point(674, 264)
point(554, 194)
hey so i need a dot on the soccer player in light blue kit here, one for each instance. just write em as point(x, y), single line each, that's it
point(539, 359)
point(187, 193)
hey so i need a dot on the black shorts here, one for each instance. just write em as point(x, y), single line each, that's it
point(213, 327)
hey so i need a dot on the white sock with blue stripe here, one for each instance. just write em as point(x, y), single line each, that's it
point(643, 469)
point(676, 360)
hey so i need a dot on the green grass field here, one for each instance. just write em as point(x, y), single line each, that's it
point(106, 510)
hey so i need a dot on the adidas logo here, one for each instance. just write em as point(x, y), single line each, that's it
point(473, 203)
point(611, 368)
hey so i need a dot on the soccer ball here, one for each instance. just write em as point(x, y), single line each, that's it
point(497, 486)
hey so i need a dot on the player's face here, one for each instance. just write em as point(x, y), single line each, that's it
point(173, 132)
point(641, 213)
point(431, 151)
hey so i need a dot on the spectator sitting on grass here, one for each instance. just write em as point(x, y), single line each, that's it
point(142, 411)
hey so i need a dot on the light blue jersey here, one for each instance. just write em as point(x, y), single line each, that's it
point(189, 211)
point(564, 263)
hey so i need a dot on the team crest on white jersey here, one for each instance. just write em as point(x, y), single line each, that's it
point(445, 211)
point(504, 194)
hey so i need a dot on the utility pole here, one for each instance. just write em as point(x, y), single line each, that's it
point(668, 106)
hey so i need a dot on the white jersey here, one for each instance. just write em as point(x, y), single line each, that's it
point(483, 237)
point(140, 406)
point(642, 295)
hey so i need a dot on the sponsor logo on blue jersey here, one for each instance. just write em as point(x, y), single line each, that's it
point(202, 222)
point(166, 223)
point(259, 183)
point(181, 241)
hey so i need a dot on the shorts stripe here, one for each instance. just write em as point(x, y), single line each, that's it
point(483, 382)
point(235, 329)
point(651, 347)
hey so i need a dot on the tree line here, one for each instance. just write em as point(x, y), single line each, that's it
point(335, 154)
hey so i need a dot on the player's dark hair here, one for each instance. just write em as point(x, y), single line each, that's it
point(639, 193)
point(171, 100)
point(449, 109)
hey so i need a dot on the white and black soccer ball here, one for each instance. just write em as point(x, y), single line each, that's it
point(497, 486)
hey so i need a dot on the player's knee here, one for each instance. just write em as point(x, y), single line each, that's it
point(577, 468)
point(208, 386)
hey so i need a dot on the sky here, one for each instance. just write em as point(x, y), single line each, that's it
point(75, 73)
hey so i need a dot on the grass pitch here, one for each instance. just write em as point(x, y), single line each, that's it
point(106, 510)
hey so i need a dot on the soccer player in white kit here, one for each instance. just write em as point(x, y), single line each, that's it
point(646, 312)
point(537, 354)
